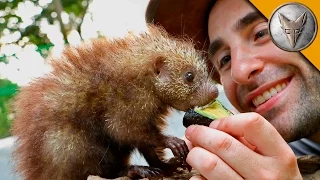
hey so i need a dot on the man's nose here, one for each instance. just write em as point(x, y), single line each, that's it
point(245, 64)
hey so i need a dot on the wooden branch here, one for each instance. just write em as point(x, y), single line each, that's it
point(309, 167)
point(59, 9)
point(82, 16)
point(308, 164)
point(179, 174)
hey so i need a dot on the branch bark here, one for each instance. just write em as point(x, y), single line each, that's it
point(59, 10)
point(309, 166)
point(82, 16)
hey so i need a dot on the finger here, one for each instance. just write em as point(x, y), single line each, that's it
point(241, 139)
point(210, 165)
point(256, 130)
point(238, 156)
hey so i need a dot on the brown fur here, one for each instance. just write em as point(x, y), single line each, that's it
point(102, 100)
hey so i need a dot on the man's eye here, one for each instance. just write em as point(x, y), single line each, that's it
point(224, 61)
point(261, 34)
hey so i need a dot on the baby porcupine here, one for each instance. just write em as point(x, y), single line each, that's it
point(102, 100)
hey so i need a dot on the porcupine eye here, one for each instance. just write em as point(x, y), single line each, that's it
point(189, 77)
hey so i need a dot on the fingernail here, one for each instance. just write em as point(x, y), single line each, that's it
point(214, 124)
point(189, 131)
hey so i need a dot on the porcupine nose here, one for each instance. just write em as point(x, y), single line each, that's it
point(207, 94)
point(212, 92)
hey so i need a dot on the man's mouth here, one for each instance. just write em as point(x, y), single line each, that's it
point(266, 95)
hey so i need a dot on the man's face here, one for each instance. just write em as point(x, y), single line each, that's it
point(258, 76)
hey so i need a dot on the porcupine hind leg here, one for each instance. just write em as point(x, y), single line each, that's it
point(137, 172)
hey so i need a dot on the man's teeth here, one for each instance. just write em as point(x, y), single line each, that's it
point(268, 94)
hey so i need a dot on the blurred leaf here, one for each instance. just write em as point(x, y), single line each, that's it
point(44, 49)
point(4, 59)
point(12, 4)
point(77, 9)
point(7, 17)
point(35, 36)
point(7, 92)
point(7, 88)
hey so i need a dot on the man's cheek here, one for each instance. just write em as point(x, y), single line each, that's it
point(231, 93)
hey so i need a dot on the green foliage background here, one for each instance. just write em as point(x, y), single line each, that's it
point(76, 10)
point(7, 92)
point(10, 23)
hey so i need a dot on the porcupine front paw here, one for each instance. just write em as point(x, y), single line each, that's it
point(136, 172)
point(180, 151)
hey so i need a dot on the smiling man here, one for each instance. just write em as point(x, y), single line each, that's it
point(258, 76)
point(277, 92)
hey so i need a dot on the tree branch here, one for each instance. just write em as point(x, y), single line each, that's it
point(82, 17)
point(59, 9)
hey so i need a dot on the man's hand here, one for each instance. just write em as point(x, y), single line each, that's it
point(242, 146)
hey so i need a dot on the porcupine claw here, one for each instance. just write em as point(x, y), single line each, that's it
point(180, 151)
point(189, 168)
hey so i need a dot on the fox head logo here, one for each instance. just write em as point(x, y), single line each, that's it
point(292, 28)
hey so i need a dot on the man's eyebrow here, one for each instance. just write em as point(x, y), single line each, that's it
point(239, 25)
point(215, 46)
point(247, 20)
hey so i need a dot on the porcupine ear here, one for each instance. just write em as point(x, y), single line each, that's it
point(160, 68)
